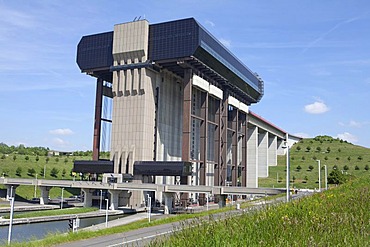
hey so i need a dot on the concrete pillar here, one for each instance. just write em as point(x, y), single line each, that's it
point(87, 198)
point(168, 202)
point(272, 157)
point(114, 199)
point(44, 199)
point(262, 154)
point(10, 191)
point(252, 157)
point(221, 200)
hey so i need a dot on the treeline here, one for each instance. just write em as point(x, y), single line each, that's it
point(40, 151)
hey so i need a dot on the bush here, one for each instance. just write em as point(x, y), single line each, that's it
point(18, 172)
point(310, 168)
point(31, 172)
point(54, 172)
point(336, 177)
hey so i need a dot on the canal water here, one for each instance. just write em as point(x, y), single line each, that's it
point(25, 232)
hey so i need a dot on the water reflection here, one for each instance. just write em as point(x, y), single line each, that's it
point(24, 232)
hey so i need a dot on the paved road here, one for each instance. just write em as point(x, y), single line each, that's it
point(143, 236)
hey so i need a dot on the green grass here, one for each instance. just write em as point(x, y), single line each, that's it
point(53, 212)
point(359, 156)
point(56, 238)
point(337, 217)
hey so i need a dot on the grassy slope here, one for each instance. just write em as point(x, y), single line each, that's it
point(10, 166)
point(346, 150)
point(337, 217)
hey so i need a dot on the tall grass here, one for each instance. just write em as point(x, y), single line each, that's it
point(338, 217)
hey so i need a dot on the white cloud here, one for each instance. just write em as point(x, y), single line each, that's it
point(226, 42)
point(62, 132)
point(58, 142)
point(348, 137)
point(211, 23)
point(317, 107)
point(354, 124)
point(303, 135)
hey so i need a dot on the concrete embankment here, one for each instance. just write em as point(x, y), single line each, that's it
point(59, 217)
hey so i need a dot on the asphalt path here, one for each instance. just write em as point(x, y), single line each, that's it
point(143, 236)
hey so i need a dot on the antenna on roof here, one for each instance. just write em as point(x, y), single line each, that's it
point(135, 18)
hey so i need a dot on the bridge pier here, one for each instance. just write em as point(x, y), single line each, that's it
point(221, 200)
point(44, 194)
point(114, 199)
point(10, 191)
point(87, 197)
point(168, 202)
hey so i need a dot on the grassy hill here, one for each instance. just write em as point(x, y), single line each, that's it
point(330, 151)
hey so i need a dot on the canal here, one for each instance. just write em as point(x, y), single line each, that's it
point(26, 232)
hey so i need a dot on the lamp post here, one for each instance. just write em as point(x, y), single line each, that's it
point(35, 187)
point(149, 206)
point(319, 166)
point(287, 169)
point(101, 198)
point(326, 177)
point(11, 219)
point(106, 214)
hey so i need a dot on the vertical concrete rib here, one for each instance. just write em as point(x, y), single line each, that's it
point(223, 140)
point(272, 150)
point(263, 154)
point(234, 165)
point(244, 151)
point(97, 120)
point(252, 157)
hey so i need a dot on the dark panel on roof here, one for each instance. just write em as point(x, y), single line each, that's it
point(95, 51)
point(162, 168)
point(93, 166)
point(174, 39)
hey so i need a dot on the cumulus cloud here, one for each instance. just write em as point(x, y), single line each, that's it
point(317, 107)
point(348, 137)
point(354, 124)
point(226, 42)
point(62, 132)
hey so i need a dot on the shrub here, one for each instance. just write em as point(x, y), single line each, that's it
point(345, 167)
point(308, 149)
point(18, 172)
point(299, 168)
point(367, 167)
point(357, 168)
point(54, 172)
point(310, 168)
point(336, 177)
point(31, 172)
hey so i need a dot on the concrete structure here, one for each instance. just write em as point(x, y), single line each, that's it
point(178, 95)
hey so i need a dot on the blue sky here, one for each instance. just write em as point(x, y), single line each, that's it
point(314, 57)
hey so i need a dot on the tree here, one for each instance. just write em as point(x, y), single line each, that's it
point(303, 158)
point(326, 158)
point(339, 150)
point(299, 148)
point(310, 168)
point(47, 160)
point(308, 149)
point(314, 158)
point(328, 150)
point(345, 167)
point(57, 159)
point(64, 172)
point(318, 149)
point(299, 168)
point(335, 167)
point(357, 168)
point(349, 158)
point(359, 158)
point(3, 157)
point(42, 172)
point(31, 172)
point(37, 158)
point(305, 178)
point(337, 158)
point(26, 158)
point(14, 157)
point(293, 178)
point(336, 177)
point(54, 172)
point(18, 172)
point(367, 167)
point(65, 160)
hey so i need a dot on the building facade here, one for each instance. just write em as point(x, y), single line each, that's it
point(178, 95)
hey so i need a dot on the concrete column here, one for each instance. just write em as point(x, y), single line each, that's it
point(252, 157)
point(168, 202)
point(272, 150)
point(114, 199)
point(280, 149)
point(44, 199)
point(263, 154)
point(87, 198)
point(97, 120)
point(10, 191)
point(234, 150)
point(221, 200)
